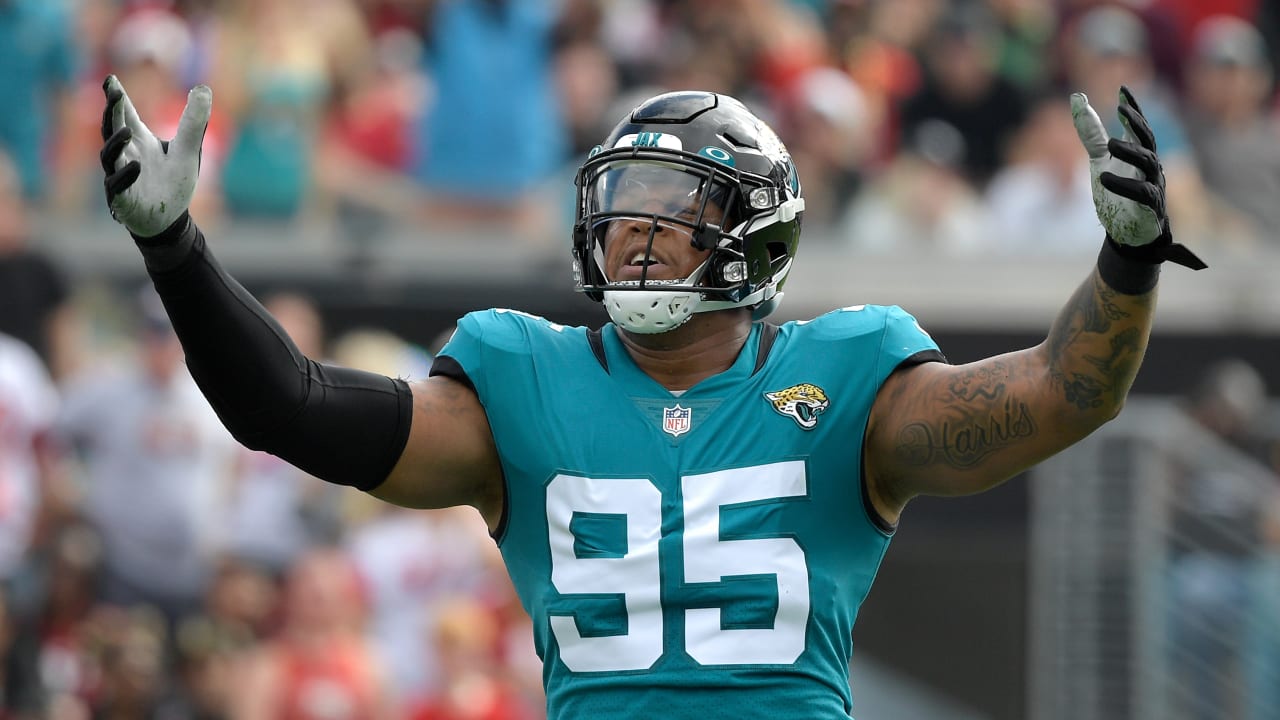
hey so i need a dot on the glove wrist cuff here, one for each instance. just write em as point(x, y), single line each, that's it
point(1126, 271)
point(168, 249)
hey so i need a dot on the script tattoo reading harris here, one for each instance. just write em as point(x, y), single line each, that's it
point(984, 420)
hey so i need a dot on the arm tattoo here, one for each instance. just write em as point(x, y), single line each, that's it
point(1095, 347)
point(978, 418)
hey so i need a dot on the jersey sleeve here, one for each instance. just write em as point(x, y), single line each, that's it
point(483, 346)
point(904, 342)
point(463, 357)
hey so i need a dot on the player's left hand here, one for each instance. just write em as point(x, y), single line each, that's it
point(1128, 182)
point(149, 181)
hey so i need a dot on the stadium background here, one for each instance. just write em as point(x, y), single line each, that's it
point(398, 163)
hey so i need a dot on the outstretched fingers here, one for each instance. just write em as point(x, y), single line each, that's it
point(1135, 123)
point(120, 111)
point(1127, 98)
point(108, 110)
point(1089, 127)
point(194, 121)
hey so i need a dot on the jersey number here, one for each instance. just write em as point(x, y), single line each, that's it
point(635, 573)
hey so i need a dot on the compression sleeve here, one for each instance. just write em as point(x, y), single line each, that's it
point(342, 425)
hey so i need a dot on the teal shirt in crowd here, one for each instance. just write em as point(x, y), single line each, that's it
point(38, 62)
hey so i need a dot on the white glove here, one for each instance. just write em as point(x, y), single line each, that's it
point(1128, 182)
point(149, 181)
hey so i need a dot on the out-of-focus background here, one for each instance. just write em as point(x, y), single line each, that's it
point(376, 168)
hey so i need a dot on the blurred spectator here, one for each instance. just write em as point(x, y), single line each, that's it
point(154, 456)
point(33, 292)
point(1025, 32)
point(274, 511)
point(20, 697)
point(368, 141)
point(205, 672)
point(1233, 131)
point(962, 89)
point(64, 593)
point(1109, 46)
point(493, 133)
point(37, 79)
point(319, 666)
point(28, 406)
point(381, 351)
point(465, 636)
point(784, 42)
point(240, 609)
point(1217, 525)
point(1042, 202)
point(128, 650)
point(1186, 15)
point(28, 507)
point(277, 66)
point(240, 606)
point(907, 24)
point(923, 202)
point(150, 50)
point(834, 130)
point(410, 561)
point(587, 85)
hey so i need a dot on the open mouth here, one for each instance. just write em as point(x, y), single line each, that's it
point(642, 260)
point(643, 265)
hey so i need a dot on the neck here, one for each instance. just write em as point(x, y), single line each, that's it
point(706, 345)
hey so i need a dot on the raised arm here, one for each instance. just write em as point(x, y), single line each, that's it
point(428, 445)
point(954, 430)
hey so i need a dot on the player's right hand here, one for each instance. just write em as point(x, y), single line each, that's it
point(149, 182)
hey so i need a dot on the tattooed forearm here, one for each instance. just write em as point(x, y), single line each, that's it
point(977, 417)
point(962, 429)
point(1096, 344)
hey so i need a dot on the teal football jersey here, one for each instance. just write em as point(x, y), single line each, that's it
point(694, 556)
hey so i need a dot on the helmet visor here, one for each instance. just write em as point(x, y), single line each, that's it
point(681, 199)
point(648, 188)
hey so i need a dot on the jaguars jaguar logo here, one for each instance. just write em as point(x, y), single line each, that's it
point(802, 403)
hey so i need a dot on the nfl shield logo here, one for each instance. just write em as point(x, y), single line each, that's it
point(675, 420)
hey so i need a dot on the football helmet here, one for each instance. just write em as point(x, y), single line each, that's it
point(694, 167)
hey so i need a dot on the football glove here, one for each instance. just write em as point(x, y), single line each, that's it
point(149, 182)
point(1128, 183)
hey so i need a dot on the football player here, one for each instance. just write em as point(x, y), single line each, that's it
point(692, 502)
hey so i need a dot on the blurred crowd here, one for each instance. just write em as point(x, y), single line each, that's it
point(941, 125)
point(151, 567)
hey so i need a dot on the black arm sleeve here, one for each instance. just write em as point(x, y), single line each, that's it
point(341, 425)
